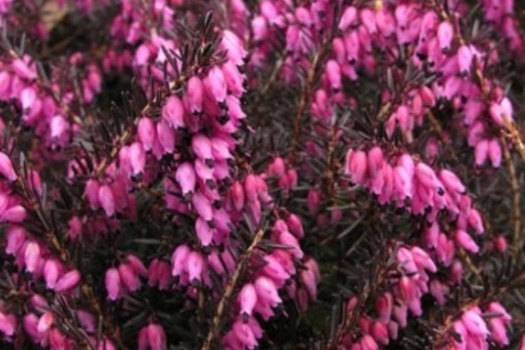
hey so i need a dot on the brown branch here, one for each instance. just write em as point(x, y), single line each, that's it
point(436, 125)
point(516, 199)
point(228, 291)
point(514, 136)
point(303, 104)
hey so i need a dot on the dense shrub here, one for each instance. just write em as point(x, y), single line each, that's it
point(299, 174)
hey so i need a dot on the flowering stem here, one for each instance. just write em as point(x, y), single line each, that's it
point(377, 279)
point(35, 205)
point(228, 291)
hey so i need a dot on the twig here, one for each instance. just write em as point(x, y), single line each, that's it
point(303, 104)
point(514, 136)
point(228, 291)
point(516, 199)
point(440, 133)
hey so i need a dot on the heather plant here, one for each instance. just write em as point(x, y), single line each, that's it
point(272, 174)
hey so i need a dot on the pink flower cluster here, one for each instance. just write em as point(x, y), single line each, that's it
point(474, 331)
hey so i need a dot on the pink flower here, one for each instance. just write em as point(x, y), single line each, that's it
point(7, 324)
point(6, 167)
point(16, 237)
point(384, 305)
point(173, 112)
point(129, 277)
point(474, 323)
point(156, 337)
point(195, 266)
point(166, 136)
point(113, 284)
point(482, 149)
point(333, 72)
point(464, 240)
point(67, 281)
point(267, 291)
point(107, 200)
point(146, 132)
point(179, 260)
point(58, 127)
point(234, 47)
point(380, 333)
point(52, 271)
point(465, 56)
point(32, 257)
point(185, 176)
point(348, 18)
point(215, 84)
point(203, 206)
point(494, 152)
point(451, 181)
point(195, 94)
point(45, 322)
point(237, 196)
point(159, 274)
point(247, 299)
point(202, 147)
point(137, 158)
point(356, 166)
